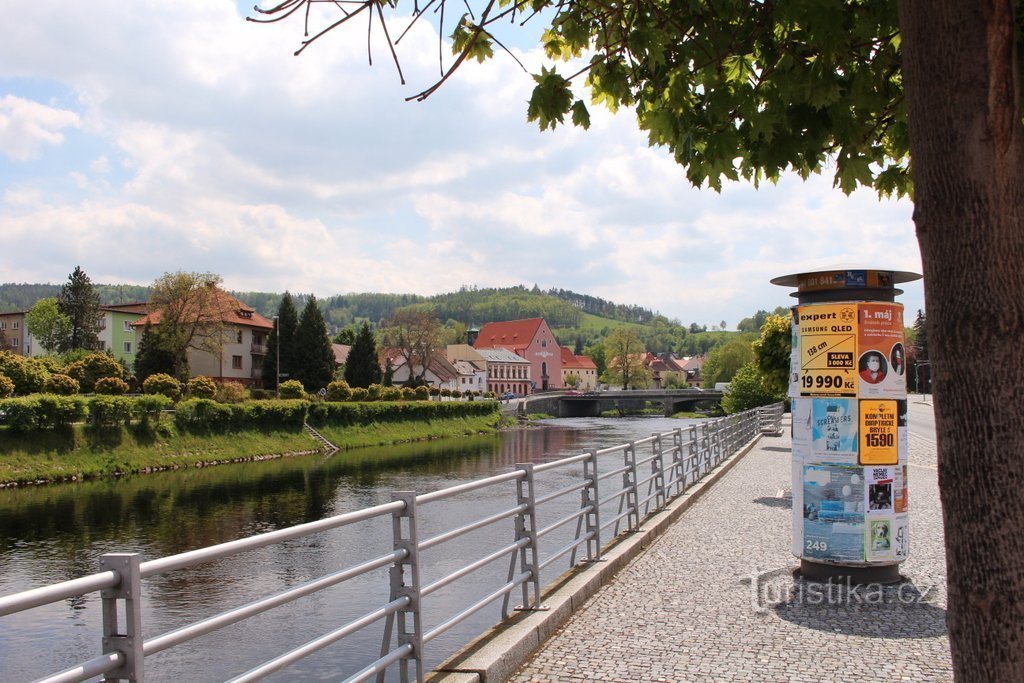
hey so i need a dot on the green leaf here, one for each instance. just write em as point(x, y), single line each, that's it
point(551, 99)
point(580, 115)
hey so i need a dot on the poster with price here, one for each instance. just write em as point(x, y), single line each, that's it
point(833, 513)
point(879, 432)
point(881, 359)
point(828, 350)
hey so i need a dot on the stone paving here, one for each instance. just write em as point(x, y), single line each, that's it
point(714, 599)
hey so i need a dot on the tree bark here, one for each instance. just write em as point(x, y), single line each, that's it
point(967, 145)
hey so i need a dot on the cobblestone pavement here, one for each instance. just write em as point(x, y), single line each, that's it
point(688, 609)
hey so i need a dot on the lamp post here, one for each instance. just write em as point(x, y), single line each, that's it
point(277, 361)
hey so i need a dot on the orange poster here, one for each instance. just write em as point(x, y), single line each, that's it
point(828, 350)
point(881, 356)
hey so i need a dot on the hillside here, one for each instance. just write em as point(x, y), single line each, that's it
point(577, 319)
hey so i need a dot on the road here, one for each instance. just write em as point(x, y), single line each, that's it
point(921, 418)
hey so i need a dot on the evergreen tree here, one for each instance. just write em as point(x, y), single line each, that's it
point(313, 359)
point(362, 368)
point(81, 304)
point(283, 333)
point(152, 357)
point(921, 336)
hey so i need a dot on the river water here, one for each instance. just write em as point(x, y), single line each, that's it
point(57, 532)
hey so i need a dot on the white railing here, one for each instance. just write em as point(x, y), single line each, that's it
point(616, 489)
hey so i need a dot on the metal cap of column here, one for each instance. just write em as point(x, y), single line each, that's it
point(846, 283)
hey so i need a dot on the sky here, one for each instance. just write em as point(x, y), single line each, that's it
point(150, 137)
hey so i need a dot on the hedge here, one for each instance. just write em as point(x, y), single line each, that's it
point(346, 414)
point(203, 415)
point(42, 411)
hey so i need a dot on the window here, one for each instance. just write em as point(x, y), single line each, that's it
point(127, 325)
point(15, 324)
point(238, 337)
point(236, 362)
point(101, 345)
point(15, 343)
point(3, 325)
point(127, 347)
point(544, 343)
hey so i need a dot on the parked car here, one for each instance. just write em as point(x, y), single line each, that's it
point(507, 396)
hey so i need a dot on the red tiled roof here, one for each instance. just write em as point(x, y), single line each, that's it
point(570, 361)
point(511, 334)
point(140, 307)
point(231, 311)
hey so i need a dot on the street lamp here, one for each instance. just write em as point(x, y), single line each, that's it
point(277, 361)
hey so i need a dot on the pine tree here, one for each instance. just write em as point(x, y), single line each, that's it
point(151, 357)
point(362, 368)
point(284, 330)
point(921, 336)
point(81, 304)
point(313, 360)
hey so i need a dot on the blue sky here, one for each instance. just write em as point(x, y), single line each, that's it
point(147, 137)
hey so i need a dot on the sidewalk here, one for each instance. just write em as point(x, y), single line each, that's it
point(713, 598)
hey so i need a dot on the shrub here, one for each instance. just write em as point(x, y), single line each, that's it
point(261, 394)
point(203, 415)
point(146, 408)
point(339, 390)
point(359, 394)
point(110, 411)
point(6, 386)
point(27, 374)
point(93, 368)
point(62, 385)
point(20, 414)
point(59, 411)
point(422, 393)
point(292, 389)
point(161, 383)
point(374, 392)
point(231, 392)
point(111, 386)
point(391, 393)
point(445, 391)
point(409, 393)
point(435, 391)
point(456, 393)
point(201, 387)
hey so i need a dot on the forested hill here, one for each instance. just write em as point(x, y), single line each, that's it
point(471, 305)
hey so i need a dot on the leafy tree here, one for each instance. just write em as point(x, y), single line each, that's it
point(313, 357)
point(81, 304)
point(111, 386)
point(416, 335)
point(754, 89)
point(596, 353)
point(94, 367)
point(725, 361)
point(163, 384)
point(152, 357)
point(189, 311)
point(626, 365)
point(6, 386)
point(347, 335)
point(282, 334)
point(292, 388)
point(48, 325)
point(747, 390)
point(28, 374)
point(362, 368)
point(772, 353)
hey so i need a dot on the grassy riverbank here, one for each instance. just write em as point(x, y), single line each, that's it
point(78, 451)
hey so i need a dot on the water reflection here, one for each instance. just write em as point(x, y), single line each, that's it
point(57, 532)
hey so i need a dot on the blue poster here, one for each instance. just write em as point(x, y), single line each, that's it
point(833, 510)
point(834, 427)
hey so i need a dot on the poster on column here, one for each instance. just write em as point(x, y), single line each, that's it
point(901, 537)
point(881, 357)
point(833, 513)
point(828, 349)
point(801, 409)
point(794, 355)
point(834, 430)
point(879, 432)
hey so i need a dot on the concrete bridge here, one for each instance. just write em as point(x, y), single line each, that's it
point(593, 403)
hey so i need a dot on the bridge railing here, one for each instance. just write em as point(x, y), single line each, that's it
point(573, 507)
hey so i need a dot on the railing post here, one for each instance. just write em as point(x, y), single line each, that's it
point(678, 465)
point(526, 527)
point(129, 643)
point(694, 457)
point(629, 482)
point(407, 540)
point(658, 470)
point(592, 502)
point(705, 448)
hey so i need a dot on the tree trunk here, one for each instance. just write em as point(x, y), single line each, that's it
point(967, 146)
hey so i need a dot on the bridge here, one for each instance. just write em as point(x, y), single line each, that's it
point(593, 403)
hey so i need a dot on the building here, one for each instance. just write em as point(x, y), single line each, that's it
point(14, 334)
point(507, 372)
point(116, 333)
point(532, 340)
point(583, 367)
point(693, 368)
point(243, 344)
point(471, 365)
point(664, 369)
point(439, 372)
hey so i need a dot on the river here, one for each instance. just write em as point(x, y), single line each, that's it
point(57, 532)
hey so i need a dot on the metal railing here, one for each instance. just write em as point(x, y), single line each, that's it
point(614, 490)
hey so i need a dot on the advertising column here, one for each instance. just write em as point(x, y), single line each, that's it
point(848, 391)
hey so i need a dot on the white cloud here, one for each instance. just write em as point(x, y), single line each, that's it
point(26, 126)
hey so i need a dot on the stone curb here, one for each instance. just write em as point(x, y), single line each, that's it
point(498, 653)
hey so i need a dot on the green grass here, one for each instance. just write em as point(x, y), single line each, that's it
point(684, 414)
point(80, 452)
point(378, 434)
